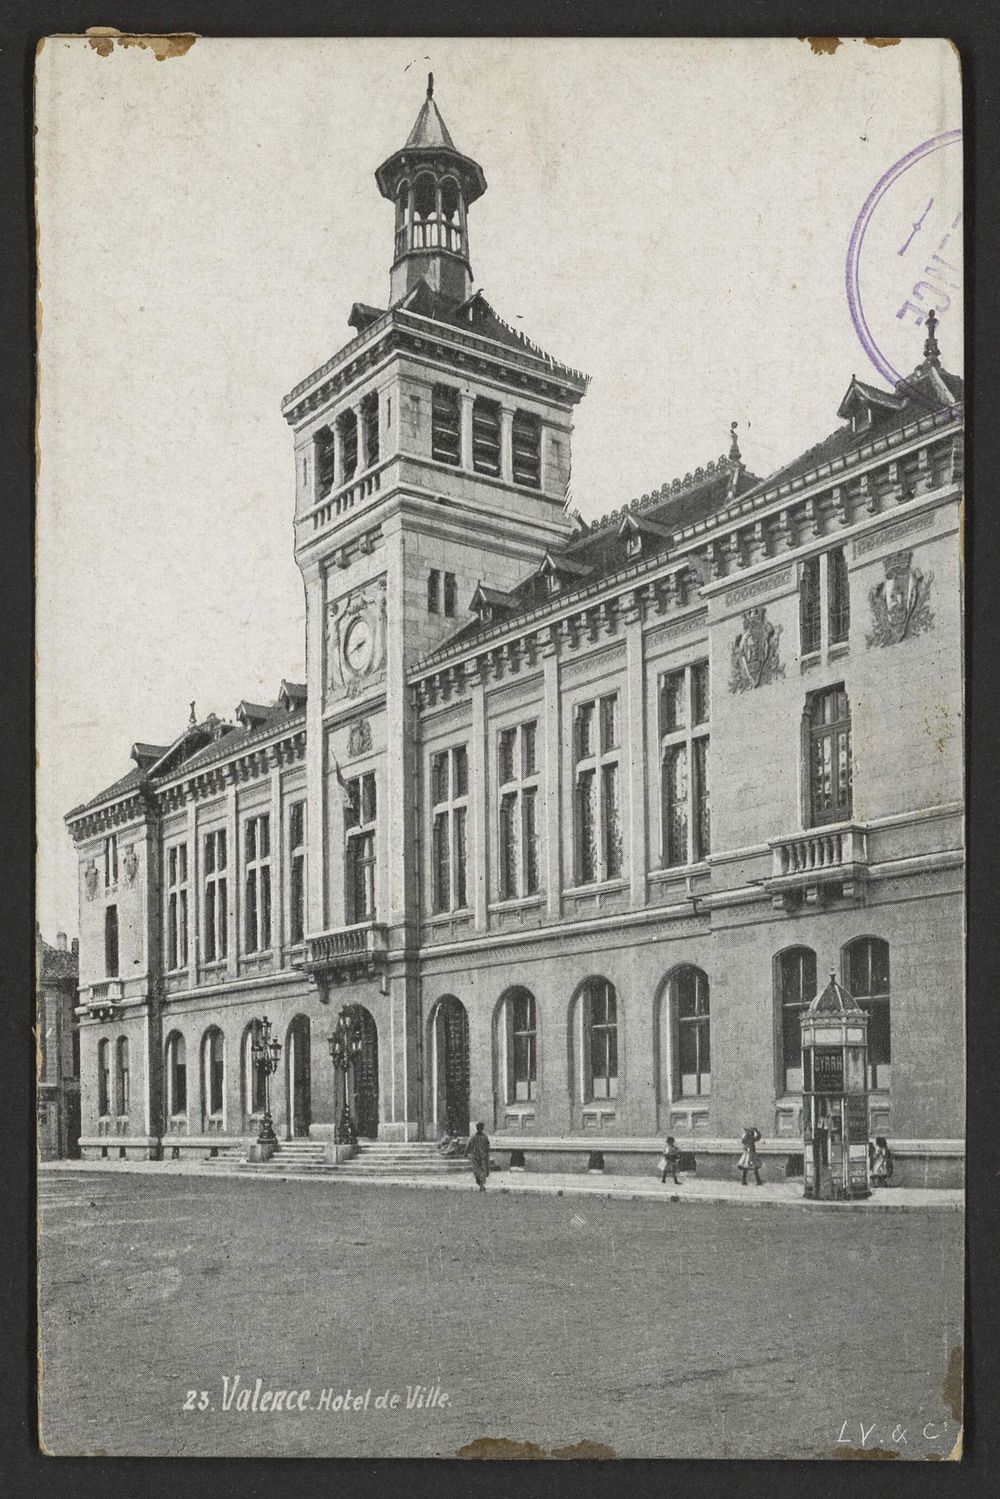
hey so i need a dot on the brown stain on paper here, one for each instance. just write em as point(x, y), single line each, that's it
point(104, 40)
point(867, 1454)
point(505, 1449)
point(953, 1387)
point(826, 46)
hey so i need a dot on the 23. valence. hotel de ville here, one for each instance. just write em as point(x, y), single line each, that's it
point(579, 817)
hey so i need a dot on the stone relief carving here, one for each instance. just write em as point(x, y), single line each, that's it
point(359, 740)
point(356, 640)
point(754, 660)
point(130, 864)
point(91, 880)
point(901, 604)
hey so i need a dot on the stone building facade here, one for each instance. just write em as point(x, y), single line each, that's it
point(57, 1096)
point(576, 817)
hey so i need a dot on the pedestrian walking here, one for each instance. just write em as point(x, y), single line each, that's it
point(478, 1151)
point(749, 1160)
point(669, 1160)
point(880, 1162)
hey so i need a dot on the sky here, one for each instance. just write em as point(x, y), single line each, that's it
point(671, 216)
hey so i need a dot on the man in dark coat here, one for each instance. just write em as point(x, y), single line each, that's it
point(478, 1151)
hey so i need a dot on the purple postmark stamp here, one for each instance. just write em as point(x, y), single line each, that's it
point(905, 256)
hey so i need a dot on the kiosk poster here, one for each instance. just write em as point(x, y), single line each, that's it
point(499, 634)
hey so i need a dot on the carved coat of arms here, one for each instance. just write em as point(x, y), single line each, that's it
point(901, 604)
point(91, 880)
point(130, 864)
point(755, 652)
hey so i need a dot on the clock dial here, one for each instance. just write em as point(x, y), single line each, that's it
point(359, 645)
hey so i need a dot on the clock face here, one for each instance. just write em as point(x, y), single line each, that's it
point(359, 645)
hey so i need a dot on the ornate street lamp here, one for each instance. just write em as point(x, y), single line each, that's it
point(346, 1045)
point(266, 1055)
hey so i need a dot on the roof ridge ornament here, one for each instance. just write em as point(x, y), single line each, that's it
point(734, 447)
point(932, 353)
point(430, 85)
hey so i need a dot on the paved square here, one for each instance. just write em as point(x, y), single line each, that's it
point(645, 1328)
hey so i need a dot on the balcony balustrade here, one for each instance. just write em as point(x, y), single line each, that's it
point(101, 998)
point(817, 864)
point(346, 952)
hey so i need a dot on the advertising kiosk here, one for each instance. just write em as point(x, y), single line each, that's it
point(835, 1095)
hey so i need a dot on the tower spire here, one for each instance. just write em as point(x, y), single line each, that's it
point(432, 185)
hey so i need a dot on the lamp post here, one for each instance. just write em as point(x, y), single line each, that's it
point(266, 1055)
point(346, 1045)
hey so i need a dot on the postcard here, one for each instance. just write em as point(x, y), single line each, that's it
point(500, 723)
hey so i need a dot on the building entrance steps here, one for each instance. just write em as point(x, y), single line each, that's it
point(401, 1158)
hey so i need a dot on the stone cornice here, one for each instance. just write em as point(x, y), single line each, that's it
point(413, 333)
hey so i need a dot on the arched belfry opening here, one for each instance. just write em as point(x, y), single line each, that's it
point(432, 185)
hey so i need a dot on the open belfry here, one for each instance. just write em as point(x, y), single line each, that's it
point(569, 824)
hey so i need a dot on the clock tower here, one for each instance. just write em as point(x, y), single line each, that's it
point(432, 455)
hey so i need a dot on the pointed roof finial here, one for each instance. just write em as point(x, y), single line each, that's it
point(430, 85)
point(931, 351)
point(734, 448)
point(192, 719)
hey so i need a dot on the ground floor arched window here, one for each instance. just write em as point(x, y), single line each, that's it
point(104, 1078)
point(690, 1016)
point(176, 1074)
point(214, 1073)
point(517, 1046)
point(596, 1026)
point(794, 991)
point(121, 1077)
point(866, 976)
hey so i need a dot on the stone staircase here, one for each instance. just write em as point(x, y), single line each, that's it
point(399, 1158)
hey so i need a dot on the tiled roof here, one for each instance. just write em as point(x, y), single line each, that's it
point(54, 963)
point(599, 551)
point(128, 783)
point(924, 391)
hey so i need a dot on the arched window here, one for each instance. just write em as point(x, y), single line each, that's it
point(830, 775)
point(866, 976)
point(176, 1074)
point(253, 1077)
point(451, 220)
point(598, 1038)
point(690, 1016)
point(121, 1077)
point(214, 1076)
point(425, 214)
point(104, 1078)
point(402, 217)
point(517, 1046)
point(794, 990)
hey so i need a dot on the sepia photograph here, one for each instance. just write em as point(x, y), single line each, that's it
point(500, 942)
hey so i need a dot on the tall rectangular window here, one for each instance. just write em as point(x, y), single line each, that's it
point(347, 426)
point(838, 596)
point(446, 443)
point(324, 456)
point(597, 795)
point(434, 591)
point(257, 883)
point(830, 771)
point(527, 449)
point(684, 790)
point(296, 872)
point(110, 860)
point(360, 816)
point(369, 420)
point(486, 436)
point(517, 778)
point(104, 1078)
point(450, 596)
point(177, 906)
point(111, 942)
point(810, 612)
point(449, 817)
point(215, 932)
